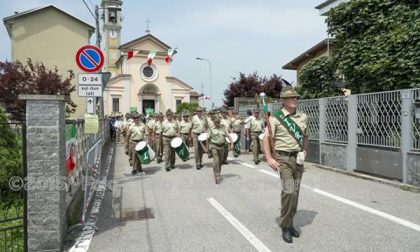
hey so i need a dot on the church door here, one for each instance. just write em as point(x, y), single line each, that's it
point(147, 105)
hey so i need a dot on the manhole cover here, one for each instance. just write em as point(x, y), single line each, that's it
point(142, 214)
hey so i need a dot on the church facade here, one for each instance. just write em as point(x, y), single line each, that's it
point(137, 84)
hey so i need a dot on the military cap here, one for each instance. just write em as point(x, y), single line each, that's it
point(223, 110)
point(216, 119)
point(288, 92)
point(256, 110)
point(198, 109)
point(169, 112)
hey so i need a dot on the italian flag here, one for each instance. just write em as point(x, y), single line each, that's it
point(131, 54)
point(71, 133)
point(171, 52)
point(150, 57)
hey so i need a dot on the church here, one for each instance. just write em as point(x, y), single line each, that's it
point(141, 77)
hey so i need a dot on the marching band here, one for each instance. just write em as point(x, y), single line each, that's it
point(215, 133)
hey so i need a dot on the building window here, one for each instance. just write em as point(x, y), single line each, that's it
point(148, 72)
point(115, 104)
point(178, 102)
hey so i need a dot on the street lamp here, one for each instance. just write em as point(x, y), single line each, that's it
point(211, 95)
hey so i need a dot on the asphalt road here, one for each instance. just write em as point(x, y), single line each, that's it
point(191, 213)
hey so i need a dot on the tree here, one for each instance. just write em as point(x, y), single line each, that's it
point(317, 79)
point(189, 106)
point(377, 44)
point(10, 160)
point(244, 86)
point(273, 86)
point(33, 78)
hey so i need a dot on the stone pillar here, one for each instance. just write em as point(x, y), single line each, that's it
point(46, 192)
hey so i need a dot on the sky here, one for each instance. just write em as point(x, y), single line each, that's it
point(236, 36)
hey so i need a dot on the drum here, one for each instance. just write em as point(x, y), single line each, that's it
point(233, 136)
point(202, 138)
point(145, 152)
point(180, 148)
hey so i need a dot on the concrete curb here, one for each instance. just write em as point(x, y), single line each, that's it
point(402, 186)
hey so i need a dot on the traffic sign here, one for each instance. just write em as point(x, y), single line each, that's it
point(90, 79)
point(89, 58)
point(90, 91)
point(90, 105)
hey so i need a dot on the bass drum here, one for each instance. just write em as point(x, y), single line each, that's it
point(145, 152)
point(180, 148)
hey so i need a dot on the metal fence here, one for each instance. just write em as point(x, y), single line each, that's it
point(12, 230)
point(311, 108)
point(336, 127)
point(379, 119)
point(415, 133)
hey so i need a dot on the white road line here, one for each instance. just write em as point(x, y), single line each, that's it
point(242, 163)
point(356, 205)
point(269, 173)
point(241, 228)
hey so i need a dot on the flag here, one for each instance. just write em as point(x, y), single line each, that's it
point(131, 54)
point(171, 52)
point(150, 57)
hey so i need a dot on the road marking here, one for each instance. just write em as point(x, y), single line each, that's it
point(241, 162)
point(269, 173)
point(241, 228)
point(356, 205)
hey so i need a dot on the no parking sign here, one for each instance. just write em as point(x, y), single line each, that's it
point(89, 58)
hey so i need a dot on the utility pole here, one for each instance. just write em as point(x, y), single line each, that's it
point(98, 44)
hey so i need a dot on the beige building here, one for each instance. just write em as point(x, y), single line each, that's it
point(135, 84)
point(51, 36)
point(318, 50)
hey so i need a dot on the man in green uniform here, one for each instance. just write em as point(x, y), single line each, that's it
point(237, 128)
point(217, 139)
point(225, 122)
point(149, 129)
point(169, 132)
point(198, 126)
point(256, 125)
point(157, 134)
point(288, 135)
point(135, 135)
point(185, 128)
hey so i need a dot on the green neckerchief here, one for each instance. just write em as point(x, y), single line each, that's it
point(291, 126)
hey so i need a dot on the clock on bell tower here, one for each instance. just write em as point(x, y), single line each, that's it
point(111, 31)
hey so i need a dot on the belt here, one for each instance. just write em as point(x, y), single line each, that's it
point(185, 134)
point(136, 140)
point(196, 133)
point(286, 153)
point(220, 145)
point(169, 136)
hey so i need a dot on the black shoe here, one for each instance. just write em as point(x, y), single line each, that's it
point(172, 166)
point(168, 169)
point(287, 235)
point(198, 167)
point(294, 232)
point(133, 172)
point(201, 166)
point(225, 162)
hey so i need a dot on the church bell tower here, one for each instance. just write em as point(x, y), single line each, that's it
point(111, 33)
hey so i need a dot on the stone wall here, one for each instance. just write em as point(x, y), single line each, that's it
point(46, 188)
